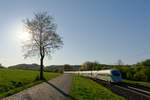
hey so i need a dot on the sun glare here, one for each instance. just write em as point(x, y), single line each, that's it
point(21, 34)
point(24, 37)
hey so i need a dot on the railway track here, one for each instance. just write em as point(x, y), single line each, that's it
point(128, 91)
point(137, 89)
point(136, 93)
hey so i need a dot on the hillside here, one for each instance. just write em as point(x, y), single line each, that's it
point(1, 66)
point(14, 80)
point(51, 68)
point(25, 66)
point(59, 68)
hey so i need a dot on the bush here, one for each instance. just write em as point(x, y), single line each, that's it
point(140, 76)
point(16, 84)
point(37, 78)
point(129, 75)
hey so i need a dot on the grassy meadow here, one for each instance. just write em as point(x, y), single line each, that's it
point(15, 80)
point(86, 89)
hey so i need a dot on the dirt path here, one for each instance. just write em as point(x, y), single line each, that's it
point(55, 89)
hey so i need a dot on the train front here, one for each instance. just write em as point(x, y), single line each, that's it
point(116, 76)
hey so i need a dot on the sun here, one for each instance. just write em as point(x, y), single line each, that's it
point(21, 34)
point(24, 37)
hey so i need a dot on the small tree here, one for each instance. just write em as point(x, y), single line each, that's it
point(44, 40)
point(119, 62)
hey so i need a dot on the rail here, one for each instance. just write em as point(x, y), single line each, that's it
point(128, 91)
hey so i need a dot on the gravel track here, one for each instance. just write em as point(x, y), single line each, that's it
point(54, 89)
point(127, 93)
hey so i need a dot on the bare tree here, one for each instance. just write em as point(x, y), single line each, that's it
point(119, 62)
point(44, 38)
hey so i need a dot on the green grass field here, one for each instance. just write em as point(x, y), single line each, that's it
point(86, 89)
point(14, 80)
point(138, 82)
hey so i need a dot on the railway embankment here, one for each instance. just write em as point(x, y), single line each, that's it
point(86, 89)
point(128, 91)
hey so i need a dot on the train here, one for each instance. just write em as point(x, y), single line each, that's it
point(109, 75)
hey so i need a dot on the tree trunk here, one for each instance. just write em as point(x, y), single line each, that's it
point(41, 70)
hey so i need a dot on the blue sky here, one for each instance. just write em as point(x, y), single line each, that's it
point(92, 30)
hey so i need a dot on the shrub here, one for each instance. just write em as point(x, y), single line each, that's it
point(37, 78)
point(129, 75)
point(140, 76)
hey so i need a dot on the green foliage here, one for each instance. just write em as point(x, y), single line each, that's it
point(91, 66)
point(14, 80)
point(86, 89)
point(129, 75)
point(37, 78)
point(145, 62)
point(140, 76)
point(137, 73)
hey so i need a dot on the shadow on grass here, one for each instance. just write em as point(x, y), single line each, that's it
point(62, 92)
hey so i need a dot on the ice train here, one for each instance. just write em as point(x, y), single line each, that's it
point(110, 75)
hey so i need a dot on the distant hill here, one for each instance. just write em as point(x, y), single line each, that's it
point(54, 68)
point(25, 66)
point(1, 66)
point(59, 68)
point(51, 68)
point(76, 67)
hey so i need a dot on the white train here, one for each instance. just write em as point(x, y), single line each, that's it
point(111, 75)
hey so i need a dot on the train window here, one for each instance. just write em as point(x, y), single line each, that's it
point(115, 73)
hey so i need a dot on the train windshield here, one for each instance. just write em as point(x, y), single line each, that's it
point(116, 73)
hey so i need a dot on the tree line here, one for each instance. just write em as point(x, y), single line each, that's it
point(137, 72)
